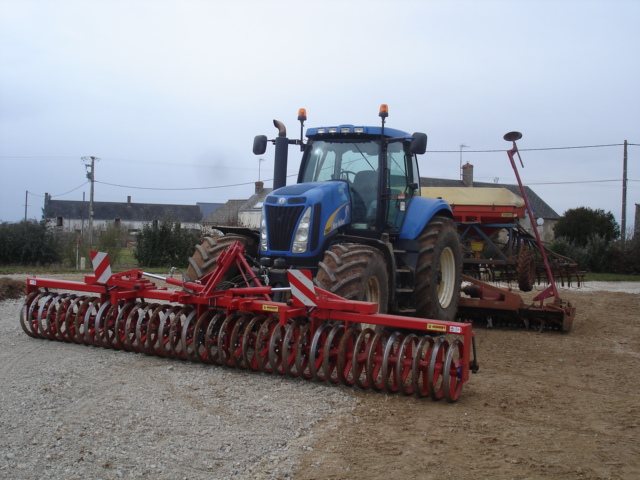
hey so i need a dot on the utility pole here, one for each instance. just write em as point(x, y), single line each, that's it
point(26, 204)
point(91, 175)
point(624, 194)
point(82, 224)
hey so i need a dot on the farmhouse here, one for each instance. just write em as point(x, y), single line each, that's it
point(73, 216)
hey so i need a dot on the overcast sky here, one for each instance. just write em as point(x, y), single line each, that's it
point(169, 94)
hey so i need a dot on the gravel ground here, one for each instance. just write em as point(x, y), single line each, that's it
point(625, 287)
point(543, 405)
point(76, 412)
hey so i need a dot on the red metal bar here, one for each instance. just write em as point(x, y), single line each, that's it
point(551, 291)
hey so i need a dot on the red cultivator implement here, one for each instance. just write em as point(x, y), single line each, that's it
point(488, 302)
point(313, 335)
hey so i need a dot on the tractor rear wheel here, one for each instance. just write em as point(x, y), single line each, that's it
point(206, 254)
point(438, 272)
point(355, 272)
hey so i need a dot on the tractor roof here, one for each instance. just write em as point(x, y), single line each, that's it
point(351, 131)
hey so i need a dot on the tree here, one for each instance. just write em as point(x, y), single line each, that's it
point(579, 225)
point(112, 239)
point(164, 245)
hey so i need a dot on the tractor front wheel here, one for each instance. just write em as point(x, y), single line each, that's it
point(355, 272)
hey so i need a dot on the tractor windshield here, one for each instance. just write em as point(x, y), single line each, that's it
point(356, 163)
point(339, 160)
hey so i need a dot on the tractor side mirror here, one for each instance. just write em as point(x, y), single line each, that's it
point(259, 144)
point(418, 143)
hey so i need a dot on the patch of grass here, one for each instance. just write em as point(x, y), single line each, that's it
point(125, 262)
point(28, 270)
point(611, 277)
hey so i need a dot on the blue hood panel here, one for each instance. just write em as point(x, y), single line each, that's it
point(331, 209)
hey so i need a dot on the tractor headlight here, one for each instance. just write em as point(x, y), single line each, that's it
point(263, 232)
point(301, 238)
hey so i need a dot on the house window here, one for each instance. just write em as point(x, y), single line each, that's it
point(59, 221)
point(155, 223)
point(116, 223)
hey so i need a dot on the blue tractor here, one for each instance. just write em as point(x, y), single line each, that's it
point(356, 219)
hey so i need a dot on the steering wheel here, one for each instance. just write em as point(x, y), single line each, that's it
point(347, 173)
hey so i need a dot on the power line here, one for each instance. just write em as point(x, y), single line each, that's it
point(189, 188)
point(532, 149)
point(60, 194)
point(70, 157)
point(293, 175)
point(177, 188)
point(289, 176)
point(37, 158)
point(577, 181)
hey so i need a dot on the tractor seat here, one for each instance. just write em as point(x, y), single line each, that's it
point(364, 188)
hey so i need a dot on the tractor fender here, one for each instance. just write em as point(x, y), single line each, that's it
point(420, 212)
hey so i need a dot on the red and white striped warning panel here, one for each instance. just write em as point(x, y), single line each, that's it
point(302, 287)
point(101, 266)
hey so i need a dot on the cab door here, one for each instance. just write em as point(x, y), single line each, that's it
point(401, 181)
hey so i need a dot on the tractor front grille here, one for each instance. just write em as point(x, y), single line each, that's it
point(281, 223)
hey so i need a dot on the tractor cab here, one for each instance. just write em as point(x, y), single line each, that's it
point(379, 166)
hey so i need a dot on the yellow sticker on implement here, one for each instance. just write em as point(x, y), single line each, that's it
point(270, 308)
point(437, 328)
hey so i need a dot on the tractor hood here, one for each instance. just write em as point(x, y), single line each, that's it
point(284, 208)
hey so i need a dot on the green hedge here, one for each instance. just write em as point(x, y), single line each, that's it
point(164, 244)
point(599, 255)
point(29, 243)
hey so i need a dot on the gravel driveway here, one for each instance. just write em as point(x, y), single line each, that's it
point(543, 405)
point(76, 412)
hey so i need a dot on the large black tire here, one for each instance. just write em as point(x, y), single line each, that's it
point(526, 269)
point(355, 272)
point(439, 270)
point(206, 254)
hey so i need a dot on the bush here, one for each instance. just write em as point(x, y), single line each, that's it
point(164, 245)
point(29, 243)
point(626, 256)
point(112, 240)
point(72, 248)
point(594, 256)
